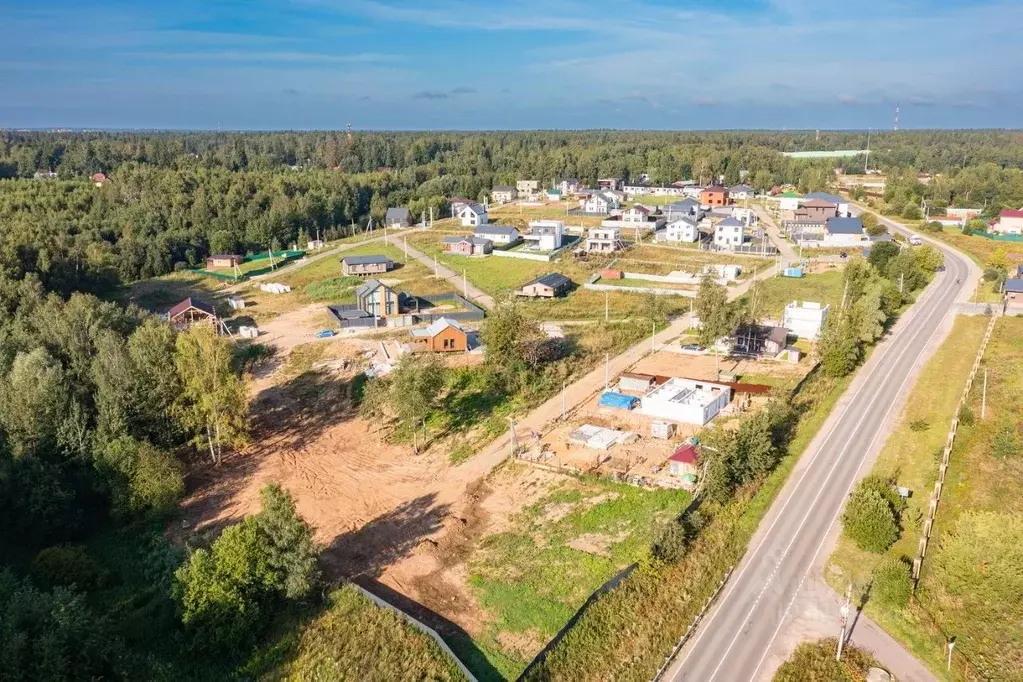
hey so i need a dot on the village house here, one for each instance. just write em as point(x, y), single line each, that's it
point(223, 260)
point(502, 194)
point(398, 218)
point(789, 201)
point(760, 340)
point(714, 196)
point(473, 215)
point(815, 209)
point(637, 215)
point(844, 232)
point(314, 244)
point(604, 240)
point(553, 194)
point(545, 235)
point(376, 298)
point(841, 204)
point(457, 203)
point(686, 401)
point(728, 233)
point(686, 207)
point(498, 234)
point(528, 189)
point(681, 229)
point(550, 285)
point(805, 318)
point(193, 311)
point(615, 195)
point(468, 246)
point(741, 192)
point(599, 204)
point(568, 186)
point(100, 179)
point(442, 336)
point(683, 461)
point(692, 191)
point(358, 266)
point(1009, 222)
point(609, 183)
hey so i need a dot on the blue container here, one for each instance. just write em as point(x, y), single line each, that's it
point(792, 272)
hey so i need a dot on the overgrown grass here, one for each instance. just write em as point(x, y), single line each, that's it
point(353, 639)
point(533, 577)
point(777, 292)
point(977, 481)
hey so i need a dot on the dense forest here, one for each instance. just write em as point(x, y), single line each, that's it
point(174, 198)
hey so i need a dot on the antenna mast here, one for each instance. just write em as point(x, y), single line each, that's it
point(895, 127)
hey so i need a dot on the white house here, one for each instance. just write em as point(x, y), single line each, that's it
point(789, 201)
point(599, 204)
point(498, 234)
point(741, 192)
point(805, 318)
point(728, 233)
point(528, 188)
point(502, 194)
point(842, 204)
point(545, 235)
point(568, 186)
point(473, 215)
point(686, 401)
point(604, 239)
point(844, 232)
point(692, 191)
point(682, 229)
point(1009, 222)
point(637, 215)
point(687, 207)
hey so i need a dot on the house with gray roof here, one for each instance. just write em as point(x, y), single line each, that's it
point(472, 215)
point(498, 234)
point(398, 217)
point(550, 285)
point(729, 233)
point(741, 192)
point(468, 246)
point(844, 232)
point(842, 205)
point(376, 298)
point(359, 266)
point(502, 194)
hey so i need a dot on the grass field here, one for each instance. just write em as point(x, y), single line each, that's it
point(519, 216)
point(777, 292)
point(354, 639)
point(533, 577)
point(975, 481)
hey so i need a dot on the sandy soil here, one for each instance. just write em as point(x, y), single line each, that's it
point(669, 363)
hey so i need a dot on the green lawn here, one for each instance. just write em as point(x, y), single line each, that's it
point(646, 283)
point(777, 292)
point(912, 455)
point(533, 577)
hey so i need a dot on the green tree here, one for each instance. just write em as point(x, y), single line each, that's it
point(415, 385)
point(213, 400)
point(928, 258)
point(881, 253)
point(34, 402)
point(287, 541)
point(717, 315)
point(869, 519)
point(142, 477)
point(892, 582)
point(839, 347)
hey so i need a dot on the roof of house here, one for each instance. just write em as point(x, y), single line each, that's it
point(369, 286)
point(778, 335)
point(1010, 213)
point(554, 190)
point(685, 453)
point(364, 260)
point(190, 302)
point(731, 222)
point(715, 189)
point(543, 229)
point(688, 220)
point(224, 255)
point(503, 188)
point(398, 215)
point(844, 226)
point(569, 180)
point(478, 241)
point(790, 195)
point(1013, 286)
point(818, 203)
point(436, 327)
point(740, 188)
point(833, 198)
point(639, 208)
point(602, 197)
point(474, 207)
point(459, 200)
point(550, 279)
point(495, 229)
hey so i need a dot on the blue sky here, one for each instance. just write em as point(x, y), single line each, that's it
point(458, 64)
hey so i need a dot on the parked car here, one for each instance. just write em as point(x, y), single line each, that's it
point(843, 255)
point(692, 348)
point(325, 333)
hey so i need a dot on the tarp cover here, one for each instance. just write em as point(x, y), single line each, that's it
point(618, 400)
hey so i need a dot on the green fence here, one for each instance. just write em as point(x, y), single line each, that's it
point(281, 258)
point(1000, 237)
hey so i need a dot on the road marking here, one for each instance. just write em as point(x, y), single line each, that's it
point(838, 513)
point(750, 557)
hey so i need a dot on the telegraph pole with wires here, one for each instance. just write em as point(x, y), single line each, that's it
point(844, 615)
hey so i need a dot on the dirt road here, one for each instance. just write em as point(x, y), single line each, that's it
point(447, 273)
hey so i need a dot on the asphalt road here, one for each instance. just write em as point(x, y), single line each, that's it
point(733, 640)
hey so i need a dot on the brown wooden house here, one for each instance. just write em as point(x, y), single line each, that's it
point(443, 336)
point(193, 311)
point(223, 260)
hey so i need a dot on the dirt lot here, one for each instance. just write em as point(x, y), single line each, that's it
point(670, 363)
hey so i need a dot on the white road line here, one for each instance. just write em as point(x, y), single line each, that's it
point(812, 507)
point(838, 513)
point(752, 556)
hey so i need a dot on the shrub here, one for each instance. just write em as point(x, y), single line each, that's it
point(893, 582)
point(870, 519)
point(65, 566)
point(911, 211)
point(966, 416)
point(673, 543)
point(933, 226)
point(1005, 444)
point(815, 662)
point(919, 425)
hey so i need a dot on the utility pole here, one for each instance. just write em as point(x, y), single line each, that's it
point(951, 645)
point(404, 240)
point(607, 305)
point(653, 334)
point(902, 281)
point(983, 399)
point(844, 612)
point(607, 362)
point(465, 284)
point(436, 272)
point(845, 292)
point(564, 400)
point(511, 426)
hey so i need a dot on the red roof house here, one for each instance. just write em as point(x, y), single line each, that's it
point(683, 461)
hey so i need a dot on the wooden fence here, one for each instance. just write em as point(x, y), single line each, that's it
point(946, 457)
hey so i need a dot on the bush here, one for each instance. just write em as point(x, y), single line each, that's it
point(815, 662)
point(1005, 444)
point(893, 582)
point(673, 543)
point(911, 211)
point(966, 416)
point(870, 519)
point(65, 566)
point(933, 226)
point(919, 425)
